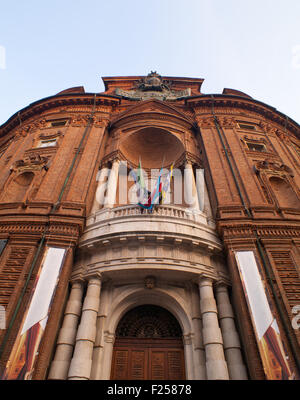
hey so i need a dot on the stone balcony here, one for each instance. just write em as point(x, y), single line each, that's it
point(165, 222)
point(127, 242)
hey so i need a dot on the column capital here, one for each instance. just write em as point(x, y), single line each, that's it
point(221, 285)
point(115, 156)
point(77, 278)
point(205, 280)
point(188, 163)
point(116, 159)
point(95, 275)
point(77, 284)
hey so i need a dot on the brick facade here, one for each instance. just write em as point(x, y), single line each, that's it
point(251, 156)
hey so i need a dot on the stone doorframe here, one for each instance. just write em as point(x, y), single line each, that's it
point(131, 298)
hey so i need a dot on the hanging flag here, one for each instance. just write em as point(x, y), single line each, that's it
point(158, 188)
point(142, 192)
point(140, 176)
point(150, 199)
point(166, 185)
point(155, 194)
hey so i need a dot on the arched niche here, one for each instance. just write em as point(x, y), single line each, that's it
point(285, 195)
point(155, 147)
point(18, 187)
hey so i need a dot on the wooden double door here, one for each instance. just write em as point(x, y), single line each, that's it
point(148, 359)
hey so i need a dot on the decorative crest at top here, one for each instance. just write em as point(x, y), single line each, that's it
point(153, 81)
point(153, 86)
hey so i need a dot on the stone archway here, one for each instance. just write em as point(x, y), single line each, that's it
point(148, 346)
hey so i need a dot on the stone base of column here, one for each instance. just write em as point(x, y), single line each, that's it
point(238, 372)
point(80, 369)
point(216, 370)
point(59, 369)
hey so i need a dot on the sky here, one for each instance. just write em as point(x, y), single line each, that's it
point(249, 45)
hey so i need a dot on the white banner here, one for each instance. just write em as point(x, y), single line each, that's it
point(20, 365)
point(268, 337)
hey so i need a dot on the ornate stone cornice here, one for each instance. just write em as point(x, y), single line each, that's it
point(278, 231)
point(40, 106)
point(12, 227)
point(204, 103)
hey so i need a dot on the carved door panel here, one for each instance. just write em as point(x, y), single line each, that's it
point(120, 364)
point(138, 367)
point(175, 364)
point(137, 360)
point(166, 364)
point(158, 370)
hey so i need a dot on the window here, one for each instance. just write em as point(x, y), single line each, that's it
point(256, 147)
point(246, 125)
point(47, 143)
point(57, 123)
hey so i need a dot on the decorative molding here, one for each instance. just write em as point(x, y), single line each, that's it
point(80, 119)
point(231, 104)
point(150, 282)
point(111, 157)
point(227, 122)
point(60, 102)
point(231, 231)
point(153, 87)
point(204, 122)
point(30, 162)
point(273, 168)
point(189, 157)
point(109, 337)
point(58, 228)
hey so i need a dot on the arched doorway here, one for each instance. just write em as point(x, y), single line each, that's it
point(148, 346)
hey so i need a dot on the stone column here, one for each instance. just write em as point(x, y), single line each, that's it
point(112, 185)
point(81, 363)
point(232, 346)
point(199, 352)
point(200, 185)
point(190, 190)
point(100, 191)
point(189, 356)
point(204, 203)
point(109, 340)
point(216, 366)
point(66, 338)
